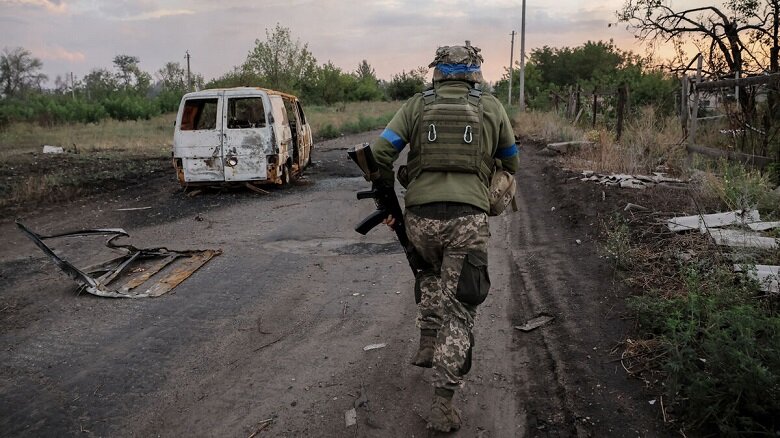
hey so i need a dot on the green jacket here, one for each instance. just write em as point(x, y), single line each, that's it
point(430, 187)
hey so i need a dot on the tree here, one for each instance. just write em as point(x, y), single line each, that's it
point(365, 72)
point(404, 85)
point(173, 76)
point(100, 83)
point(732, 37)
point(284, 64)
point(19, 71)
point(127, 66)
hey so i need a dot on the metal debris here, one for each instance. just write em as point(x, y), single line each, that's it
point(374, 346)
point(535, 323)
point(139, 272)
point(630, 207)
point(133, 208)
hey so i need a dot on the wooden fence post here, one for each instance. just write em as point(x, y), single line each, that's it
point(695, 113)
point(621, 107)
point(595, 106)
point(684, 106)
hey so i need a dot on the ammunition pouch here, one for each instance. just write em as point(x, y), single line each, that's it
point(474, 282)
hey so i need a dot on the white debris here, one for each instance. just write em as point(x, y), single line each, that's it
point(764, 226)
point(631, 206)
point(630, 181)
point(743, 239)
point(652, 402)
point(535, 323)
point(350, 417)
point(370, 347)
point(578, 241)
point(53, 149)
point(716, 220)
point(768, 276)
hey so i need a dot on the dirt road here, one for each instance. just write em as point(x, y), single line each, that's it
point(274, 328)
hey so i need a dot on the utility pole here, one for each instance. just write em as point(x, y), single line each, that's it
point(511, 69)
point(189, 77)
point(522, 62)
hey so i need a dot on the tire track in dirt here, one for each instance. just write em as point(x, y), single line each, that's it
point(574, 389)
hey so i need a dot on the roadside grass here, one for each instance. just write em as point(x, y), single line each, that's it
point(707, 340)
point(350, 118)
point(152, 137)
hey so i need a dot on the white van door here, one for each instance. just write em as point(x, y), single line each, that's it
point(247, 135)
point(198, 138)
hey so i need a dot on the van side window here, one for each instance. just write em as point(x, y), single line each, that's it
point(245, 112)
point(199, 114)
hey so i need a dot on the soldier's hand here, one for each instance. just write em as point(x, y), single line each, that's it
point(390, 221)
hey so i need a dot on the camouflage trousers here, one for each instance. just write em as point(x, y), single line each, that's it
point(448, 294)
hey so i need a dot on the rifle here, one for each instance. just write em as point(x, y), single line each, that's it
point(386, 205)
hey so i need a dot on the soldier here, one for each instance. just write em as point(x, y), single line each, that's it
point(456, 136)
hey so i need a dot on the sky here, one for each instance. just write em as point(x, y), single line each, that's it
point(393, 35)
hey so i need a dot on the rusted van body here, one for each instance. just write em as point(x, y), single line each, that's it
point(241, 134)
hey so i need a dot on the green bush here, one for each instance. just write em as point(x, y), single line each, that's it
point(721, 349)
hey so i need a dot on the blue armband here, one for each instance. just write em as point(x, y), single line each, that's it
point(398, 143)
point(507, 151)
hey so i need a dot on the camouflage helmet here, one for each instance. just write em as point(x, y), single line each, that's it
point(460, 63)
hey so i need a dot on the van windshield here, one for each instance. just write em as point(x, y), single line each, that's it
point(245, 112)
point(199, 114)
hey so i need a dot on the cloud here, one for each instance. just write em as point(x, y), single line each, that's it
point(157, 14)
point(53, 6)
point(61, 54)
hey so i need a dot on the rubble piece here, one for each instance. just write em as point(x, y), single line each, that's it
point(630, 181)
point(768, 276)
point(764, 226)
point(53, 149)
point(715, 220)
point(535, 323)
point(133, 208)
point(350, 417)
point(631, 207)
point(143, 272)
point(374, 346)
point(743, 239)
point(567, 146)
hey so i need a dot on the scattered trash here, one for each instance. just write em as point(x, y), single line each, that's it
point(535, 323)
point(374, 346)
point(137, 267)
point(579, 242)
point(198, 218)
point(350, 417)
point(133, 208)
point(398, 292)
point(356, 294)
point(53, 149)
point(652, 402)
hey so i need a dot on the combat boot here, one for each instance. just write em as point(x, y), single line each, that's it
point(424, 356)
point(444, 417)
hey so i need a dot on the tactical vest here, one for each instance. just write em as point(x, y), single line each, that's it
point(450, 137)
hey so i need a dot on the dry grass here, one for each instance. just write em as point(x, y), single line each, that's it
point(546, 126)
point(649, 141)
point(343, 113)
point(152, 137)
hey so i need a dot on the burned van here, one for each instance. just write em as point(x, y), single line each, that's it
point(240, 135)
